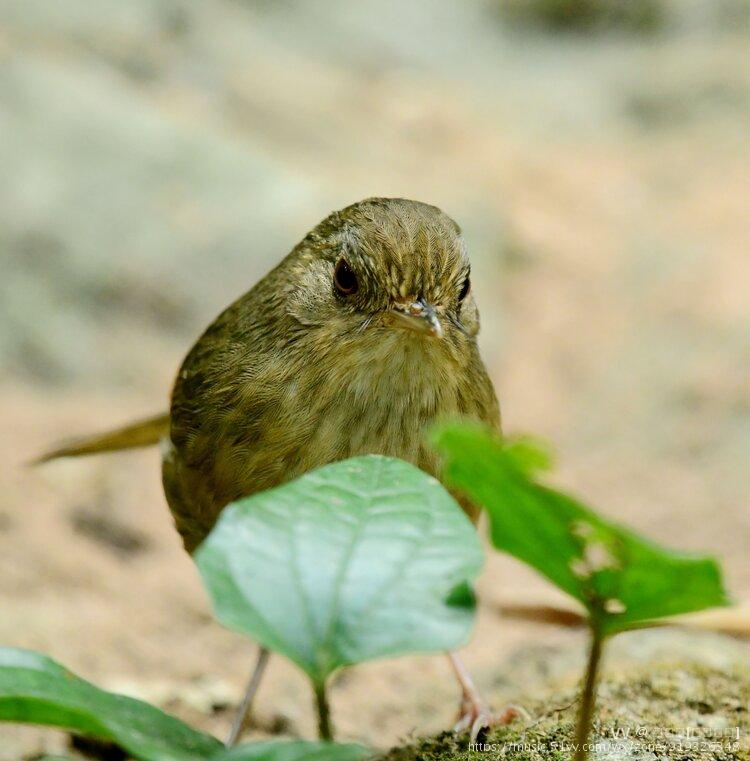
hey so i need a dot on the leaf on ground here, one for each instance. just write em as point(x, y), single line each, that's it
point(361, 559)
point(35, 689)
point(624, 580)
point(279, 750)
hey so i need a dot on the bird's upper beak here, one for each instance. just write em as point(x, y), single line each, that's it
point(418, 316)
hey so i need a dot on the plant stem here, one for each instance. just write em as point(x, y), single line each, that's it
point(588, 699)
point(325, 729)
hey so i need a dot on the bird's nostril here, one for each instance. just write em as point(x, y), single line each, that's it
point(410, 305)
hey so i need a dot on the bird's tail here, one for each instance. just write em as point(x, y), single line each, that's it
point(142, 433)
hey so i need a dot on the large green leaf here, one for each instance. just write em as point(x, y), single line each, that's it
point(361, 559)
point(623, 579)
point(277, 750)
point(36, 690)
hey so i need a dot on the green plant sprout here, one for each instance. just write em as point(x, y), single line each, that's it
point(362, 559)
point(624, 581)
point(370, 558)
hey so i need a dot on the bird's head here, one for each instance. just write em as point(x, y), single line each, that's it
point(387, 270)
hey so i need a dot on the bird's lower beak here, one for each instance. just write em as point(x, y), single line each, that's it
point(418, 316)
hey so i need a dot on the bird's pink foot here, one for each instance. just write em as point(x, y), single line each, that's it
point(474, 715)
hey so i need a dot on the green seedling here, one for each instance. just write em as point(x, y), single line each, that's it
point(370, 558)
point(361, 559)
point(622, 580)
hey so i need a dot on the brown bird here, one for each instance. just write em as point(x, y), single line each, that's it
point(360, 339)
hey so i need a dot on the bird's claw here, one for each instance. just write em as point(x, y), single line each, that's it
point(475, 715)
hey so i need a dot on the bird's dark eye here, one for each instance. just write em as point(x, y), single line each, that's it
point(465, 288)
point(344, 279)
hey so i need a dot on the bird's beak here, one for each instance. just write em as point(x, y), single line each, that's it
point(418, 316)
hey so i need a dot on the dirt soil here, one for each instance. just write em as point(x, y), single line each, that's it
point(159, 156)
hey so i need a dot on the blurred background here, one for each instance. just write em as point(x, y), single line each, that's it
point(158, 156)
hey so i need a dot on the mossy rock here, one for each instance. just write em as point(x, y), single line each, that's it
point(669, 712)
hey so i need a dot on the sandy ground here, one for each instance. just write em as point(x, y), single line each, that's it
point(157, 155)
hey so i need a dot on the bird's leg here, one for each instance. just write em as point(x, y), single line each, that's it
point(243, 712)
point(474, 714)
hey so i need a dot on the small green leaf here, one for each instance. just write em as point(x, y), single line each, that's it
point(350, 562)
point(462, 596)
point(36, 690)
point(624, 580)
point(295, 751)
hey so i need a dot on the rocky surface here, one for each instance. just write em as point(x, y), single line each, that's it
point(667, 712)
point(670, 706)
